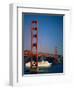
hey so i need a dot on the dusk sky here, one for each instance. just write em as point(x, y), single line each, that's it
point(50, 32)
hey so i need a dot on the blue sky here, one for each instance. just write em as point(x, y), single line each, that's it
point(50, 32)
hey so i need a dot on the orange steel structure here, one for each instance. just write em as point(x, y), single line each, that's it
point(34, 42)
point(29, 53)
point(55, 56)
point(34, 45)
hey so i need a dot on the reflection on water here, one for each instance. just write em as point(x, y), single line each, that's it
point(56, 68)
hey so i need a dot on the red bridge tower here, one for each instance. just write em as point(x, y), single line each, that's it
point(55, 56)
point(34, 43)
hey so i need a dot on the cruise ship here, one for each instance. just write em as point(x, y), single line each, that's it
point(41, 64)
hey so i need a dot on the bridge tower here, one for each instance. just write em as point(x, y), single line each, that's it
point(56, 56)
point(34, 43)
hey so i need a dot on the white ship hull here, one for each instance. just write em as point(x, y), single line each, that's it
point(42, 64)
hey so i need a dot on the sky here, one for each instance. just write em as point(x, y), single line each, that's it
point(50, 32)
